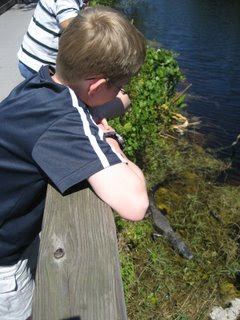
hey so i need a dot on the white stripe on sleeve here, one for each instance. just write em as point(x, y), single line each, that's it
point(87, 131)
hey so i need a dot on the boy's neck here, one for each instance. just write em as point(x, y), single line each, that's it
point(57, 79)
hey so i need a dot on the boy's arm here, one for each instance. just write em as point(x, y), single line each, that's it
point(65, 23)
point(68, 10)
point(115, 108)
point(124, 99)
point(122, 186)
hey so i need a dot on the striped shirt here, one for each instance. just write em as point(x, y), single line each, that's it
point(40, 43)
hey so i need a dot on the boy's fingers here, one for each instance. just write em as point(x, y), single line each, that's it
point(124, 99)
point(105, 124)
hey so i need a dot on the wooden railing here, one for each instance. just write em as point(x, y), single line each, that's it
point(78, 274)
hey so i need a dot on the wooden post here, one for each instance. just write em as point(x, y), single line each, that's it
point(78, 275)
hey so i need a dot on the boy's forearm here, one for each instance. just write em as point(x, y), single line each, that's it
point(131, 165)
point(124, 98)
point(122, 186)
point(137, 170)
point(66, 23)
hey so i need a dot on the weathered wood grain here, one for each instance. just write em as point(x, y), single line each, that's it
point(78, 274)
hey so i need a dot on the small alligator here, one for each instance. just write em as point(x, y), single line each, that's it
point(163, 226)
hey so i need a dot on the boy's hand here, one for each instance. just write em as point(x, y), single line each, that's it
point(103, 124)
point(114, 140)
point(124, 99)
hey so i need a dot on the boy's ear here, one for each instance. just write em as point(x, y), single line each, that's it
point(96, 87)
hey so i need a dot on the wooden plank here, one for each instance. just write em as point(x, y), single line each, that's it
point(78, 274)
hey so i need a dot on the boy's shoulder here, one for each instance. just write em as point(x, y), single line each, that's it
point(37, 103)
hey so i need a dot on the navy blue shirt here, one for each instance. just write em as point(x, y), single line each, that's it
point(46, 135)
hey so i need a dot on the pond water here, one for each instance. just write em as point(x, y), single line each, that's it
point(206, 35)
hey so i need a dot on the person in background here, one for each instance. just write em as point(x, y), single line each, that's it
point(40, 46)
point(40, 43)
point(48, 136)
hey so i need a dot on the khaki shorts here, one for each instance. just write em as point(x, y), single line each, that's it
point(17, 285)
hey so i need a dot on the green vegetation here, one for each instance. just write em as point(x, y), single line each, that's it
point(109, 3)
point(152, 93)
point(158, 283)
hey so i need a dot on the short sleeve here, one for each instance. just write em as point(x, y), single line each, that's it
point(67, 9)
point(72, 149)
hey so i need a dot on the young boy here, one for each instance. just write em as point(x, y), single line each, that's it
point(47, 135)
point(40, 46)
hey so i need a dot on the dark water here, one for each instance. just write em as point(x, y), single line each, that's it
point(206, 34)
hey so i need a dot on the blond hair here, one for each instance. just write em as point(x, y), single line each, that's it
point(100, 41)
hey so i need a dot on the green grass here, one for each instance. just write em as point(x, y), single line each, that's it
point(158, 283)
